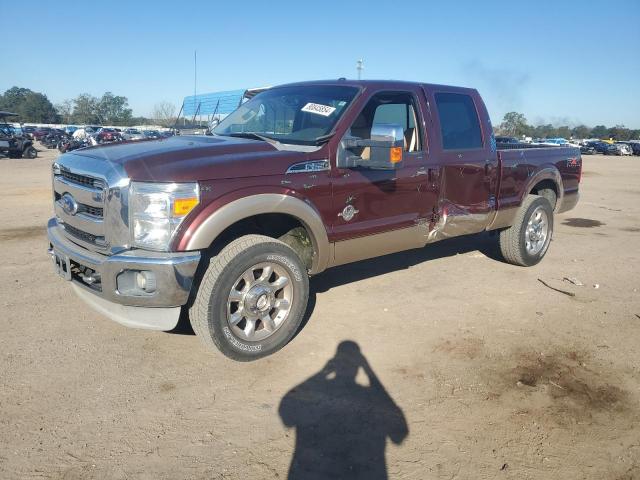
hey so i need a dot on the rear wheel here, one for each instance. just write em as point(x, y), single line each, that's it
point(526, 242)
point(252, 298)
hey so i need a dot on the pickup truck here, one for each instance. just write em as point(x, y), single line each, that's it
point(228, 228)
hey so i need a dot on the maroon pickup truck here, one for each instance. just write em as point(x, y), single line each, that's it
point(300, 178)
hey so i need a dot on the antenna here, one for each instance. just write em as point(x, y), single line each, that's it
point(360, 67)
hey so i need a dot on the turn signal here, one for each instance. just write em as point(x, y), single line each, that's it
point(396, 155)
point(182, 206)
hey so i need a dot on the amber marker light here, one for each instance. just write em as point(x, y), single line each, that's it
point(395, 155)
point(182, 206)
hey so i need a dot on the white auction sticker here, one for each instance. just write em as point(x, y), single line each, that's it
point(319, 109)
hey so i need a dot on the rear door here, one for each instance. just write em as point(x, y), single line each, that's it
point(469, 164)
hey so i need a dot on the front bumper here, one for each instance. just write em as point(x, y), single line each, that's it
point(173, 271)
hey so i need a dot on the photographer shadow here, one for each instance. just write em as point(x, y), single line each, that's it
point(341, 426)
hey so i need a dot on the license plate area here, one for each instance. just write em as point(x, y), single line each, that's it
point(61, 265)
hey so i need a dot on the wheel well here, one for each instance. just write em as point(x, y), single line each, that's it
point(547, 189)
point(284, 227)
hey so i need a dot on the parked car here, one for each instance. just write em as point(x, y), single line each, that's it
point(604, 148)
point(235, 223)
point(28, 130)
point(41, 132)
point(588, 148)
point(555, 141)
point(108, 135)
point(152, 134)
point(510, 140)
point(635, 147)
point(70, 129)
point(623, 148)
point(13, 141)
point(132, 134)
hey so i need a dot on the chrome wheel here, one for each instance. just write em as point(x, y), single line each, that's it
point(537, 231)
point(259, 301)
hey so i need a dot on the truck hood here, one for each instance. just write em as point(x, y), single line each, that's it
point(194, 158)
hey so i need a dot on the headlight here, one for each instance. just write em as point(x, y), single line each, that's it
point(157, 209)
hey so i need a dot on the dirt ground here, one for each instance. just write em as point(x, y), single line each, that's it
point(470, 368)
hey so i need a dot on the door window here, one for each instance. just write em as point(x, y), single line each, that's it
point(390, 107)
point(459, 125)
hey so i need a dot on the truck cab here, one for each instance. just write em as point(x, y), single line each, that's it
point(300, 178)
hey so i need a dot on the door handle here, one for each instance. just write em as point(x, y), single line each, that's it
point(421, 171)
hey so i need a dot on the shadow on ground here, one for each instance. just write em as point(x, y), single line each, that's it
point(341, 426)
point(484, 243)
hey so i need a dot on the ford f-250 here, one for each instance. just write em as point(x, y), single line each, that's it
point(300, 178)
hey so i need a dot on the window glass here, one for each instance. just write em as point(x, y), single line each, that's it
point(459, 123)
point(295, 114)
point(389, 107)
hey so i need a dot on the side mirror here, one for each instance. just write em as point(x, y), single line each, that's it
point(383, 151)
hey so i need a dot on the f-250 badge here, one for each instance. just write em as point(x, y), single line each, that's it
point(348, 213)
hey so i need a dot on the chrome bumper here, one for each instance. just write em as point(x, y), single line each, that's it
point(173, 271)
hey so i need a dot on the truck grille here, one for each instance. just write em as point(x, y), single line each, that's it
point(84, 236)
point(82, 179)
point(91, 202)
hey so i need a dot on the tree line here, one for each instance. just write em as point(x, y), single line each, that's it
point(85, 109)
point(515, 124)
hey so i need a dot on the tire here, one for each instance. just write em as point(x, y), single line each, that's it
point(30, 152)
point(521, 244)
point(224, 296)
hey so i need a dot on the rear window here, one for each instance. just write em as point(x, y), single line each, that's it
point(459, 123)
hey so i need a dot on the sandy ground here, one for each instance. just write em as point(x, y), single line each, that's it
point(471, 368)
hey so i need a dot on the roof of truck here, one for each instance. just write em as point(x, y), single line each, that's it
point(376, 84)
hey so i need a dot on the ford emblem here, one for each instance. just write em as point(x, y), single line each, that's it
point(69, 204)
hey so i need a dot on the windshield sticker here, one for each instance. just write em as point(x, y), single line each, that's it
point(318, 109)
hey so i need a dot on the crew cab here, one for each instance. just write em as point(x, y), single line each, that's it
point(302, 177)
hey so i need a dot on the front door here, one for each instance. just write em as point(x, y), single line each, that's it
point(378, 211)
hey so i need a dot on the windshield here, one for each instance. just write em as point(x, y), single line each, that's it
point(298, 115)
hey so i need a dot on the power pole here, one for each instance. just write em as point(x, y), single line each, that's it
point(360, 67)
point(195, 78)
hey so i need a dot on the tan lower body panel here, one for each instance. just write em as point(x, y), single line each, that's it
point(370, 246)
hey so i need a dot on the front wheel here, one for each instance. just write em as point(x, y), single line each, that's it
point(252, 298)
point(526, 242)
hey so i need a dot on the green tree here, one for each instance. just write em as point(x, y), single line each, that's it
point(619, 132)
point(514, 124)
point(581, 131)
point(29, 105)
point(85, 109)
point(599, 131)
point(563, 132)
point(112, 109)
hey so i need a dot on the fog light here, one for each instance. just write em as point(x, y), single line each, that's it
point(146, 281)
point(136, 283)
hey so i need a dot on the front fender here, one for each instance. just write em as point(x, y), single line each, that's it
point(208, 230)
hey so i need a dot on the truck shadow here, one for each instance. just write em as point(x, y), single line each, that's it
point(484, 243)
point(342, 426)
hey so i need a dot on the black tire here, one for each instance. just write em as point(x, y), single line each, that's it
point(208, 314)
point(513, 239)
point(30, 152)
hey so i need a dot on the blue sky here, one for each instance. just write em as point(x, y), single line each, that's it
point(563, 62)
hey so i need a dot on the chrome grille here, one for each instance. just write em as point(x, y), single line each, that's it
point(84, 180)
point(81, 235)
point(95, 214)
point(95, 211)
